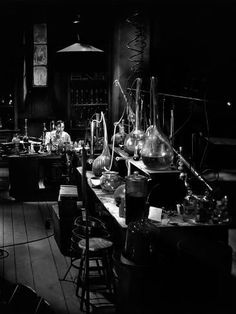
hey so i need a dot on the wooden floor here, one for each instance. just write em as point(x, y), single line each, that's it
point(33, 258)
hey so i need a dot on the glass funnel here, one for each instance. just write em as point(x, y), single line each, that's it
point(157, 152)
point(135, 139)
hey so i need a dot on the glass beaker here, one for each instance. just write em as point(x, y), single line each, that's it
point(136, 190)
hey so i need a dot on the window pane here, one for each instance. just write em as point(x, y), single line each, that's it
point(40, 76)
point(40, 55)
point(40, 33)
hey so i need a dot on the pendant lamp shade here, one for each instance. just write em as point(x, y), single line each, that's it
point(78, 47)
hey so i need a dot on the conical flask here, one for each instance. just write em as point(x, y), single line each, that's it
point(102, 162)
point(157, 152)
point(135, 139)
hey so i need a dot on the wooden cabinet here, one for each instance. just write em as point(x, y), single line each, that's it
point(88, 95)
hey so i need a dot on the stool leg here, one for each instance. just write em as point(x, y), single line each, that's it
point(98, 266)
point(69, 268)
point(107, 271)
point(83, 285)
point(80, 274)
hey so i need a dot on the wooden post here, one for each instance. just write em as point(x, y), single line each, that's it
point(85, 205)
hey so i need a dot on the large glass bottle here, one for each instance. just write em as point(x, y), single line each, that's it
point(102, 162)
point(157, 152)
point(135, 139)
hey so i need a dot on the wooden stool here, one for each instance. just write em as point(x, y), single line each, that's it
point(96, 229)
point(99, 250)
point(74, 252)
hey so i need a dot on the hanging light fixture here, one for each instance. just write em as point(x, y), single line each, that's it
point(78, 46)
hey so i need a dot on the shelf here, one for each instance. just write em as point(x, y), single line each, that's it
point(6, 107)
point(8, 130)
point(93, 76)
point(89, 105)
point(140, 165)
point(79, 128)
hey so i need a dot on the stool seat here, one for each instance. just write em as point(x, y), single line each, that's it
point(95, 244)
point(98, 273)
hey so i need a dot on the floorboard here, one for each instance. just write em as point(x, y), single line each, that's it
point(24, 272)
point(33, 255)
point(18, 221)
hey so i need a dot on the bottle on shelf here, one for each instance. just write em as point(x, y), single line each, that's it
point(25, 137)
point(81, 96)
point(91, 96)
point(44, 136)
point(10, 100)
point(52, 126)
point(72, 96)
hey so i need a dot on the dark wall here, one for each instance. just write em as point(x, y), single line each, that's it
point(44, 104)
point(194, 56)
point(191, 51)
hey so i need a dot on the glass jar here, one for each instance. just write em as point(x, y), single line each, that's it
point(109, 181)
point(141, 240)
point(136, 191)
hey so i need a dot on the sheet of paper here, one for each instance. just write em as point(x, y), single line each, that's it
point(155, 213)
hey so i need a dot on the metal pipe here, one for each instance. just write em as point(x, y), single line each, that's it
point(196, 174)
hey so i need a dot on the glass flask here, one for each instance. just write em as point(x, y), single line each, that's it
point(102, 162)
point(135, 139)
point(109, 181)
point(136, 190)
point(120, 136)
point(91, 157)
point(157, 152)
